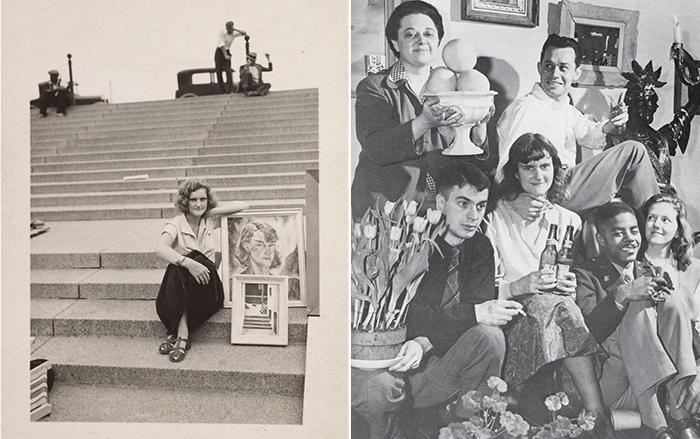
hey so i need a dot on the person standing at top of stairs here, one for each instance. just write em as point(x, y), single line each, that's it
point(191, 291)
point(222, 56)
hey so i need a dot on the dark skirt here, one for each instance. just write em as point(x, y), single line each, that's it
point(179, 291)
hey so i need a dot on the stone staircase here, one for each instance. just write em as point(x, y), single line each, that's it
point(94, 276)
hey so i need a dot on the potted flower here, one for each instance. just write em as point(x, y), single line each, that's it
point(486, 417)
point(390, 250)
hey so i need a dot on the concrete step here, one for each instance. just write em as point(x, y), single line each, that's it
point(310, 136)
point(233, 140)
point(59, 157)
point(279, 178)
point(101, 315)
point(142, 133)
point(259, 107)
point(115, 126)
point(135, 361)
point(191, 159)
point(139, 211)
point(279, 129)
point(176, 171)
point(241, 193)
point(281, 119)
point(100, 403)
point(117, 146)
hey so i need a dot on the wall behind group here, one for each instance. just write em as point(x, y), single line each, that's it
point(509, 54)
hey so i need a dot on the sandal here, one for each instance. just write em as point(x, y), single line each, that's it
point(167, 344)
point(177, 353)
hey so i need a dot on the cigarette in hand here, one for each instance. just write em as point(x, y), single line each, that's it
point(520, 311)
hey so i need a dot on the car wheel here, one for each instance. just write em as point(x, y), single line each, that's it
point(188, 95)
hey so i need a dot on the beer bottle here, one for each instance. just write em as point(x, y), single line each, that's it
point(548, 259)
point(565, 256)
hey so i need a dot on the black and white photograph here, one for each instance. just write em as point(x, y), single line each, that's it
point(524, 209)
point(146, 124)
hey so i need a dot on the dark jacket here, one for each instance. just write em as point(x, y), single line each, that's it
point(597, 279)
point(444, 325)
point(383, 114)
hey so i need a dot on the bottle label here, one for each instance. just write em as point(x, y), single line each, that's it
point(550, 267)
point(562, 271)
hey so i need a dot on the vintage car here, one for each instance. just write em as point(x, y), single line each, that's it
point(199, 82)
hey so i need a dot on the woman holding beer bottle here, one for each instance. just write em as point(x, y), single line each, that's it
point(532, 260)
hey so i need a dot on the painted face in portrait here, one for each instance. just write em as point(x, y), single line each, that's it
point(536, 176)
point(262, 253)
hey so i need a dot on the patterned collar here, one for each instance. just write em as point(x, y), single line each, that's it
point(397, 73)
point(397, 77)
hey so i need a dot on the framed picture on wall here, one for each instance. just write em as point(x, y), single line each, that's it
point(512, 12)
point(265, 243)
point(607, 38)
point(259, 314)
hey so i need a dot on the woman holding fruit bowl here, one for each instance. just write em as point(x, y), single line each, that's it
point(402, 130)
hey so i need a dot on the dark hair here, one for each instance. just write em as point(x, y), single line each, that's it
point(610, 210)
point(391, 31)
point(527, 148)
point(247, 233)
point(681, 244)
point(460, 176)
point(185, 190)
point(558, 42)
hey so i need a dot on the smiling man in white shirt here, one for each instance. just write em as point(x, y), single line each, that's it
point(623, 170)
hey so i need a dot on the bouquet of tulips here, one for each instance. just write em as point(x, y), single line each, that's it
point(390, 250)
point(487, 417)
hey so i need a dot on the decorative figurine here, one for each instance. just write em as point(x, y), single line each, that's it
point(642, 100)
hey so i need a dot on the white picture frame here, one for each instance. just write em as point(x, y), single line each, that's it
point(285, 227)
point(260, 314)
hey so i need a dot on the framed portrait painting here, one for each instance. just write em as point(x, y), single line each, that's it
point(265, 243)
point(512, 12)
point(259, 312)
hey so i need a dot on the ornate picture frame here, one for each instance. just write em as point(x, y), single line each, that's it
point(607, 38)
point(260, 314)
point(268, 242)
point(511, 12)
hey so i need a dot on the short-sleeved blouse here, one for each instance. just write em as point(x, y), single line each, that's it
point(518, 243)
point(184, 239)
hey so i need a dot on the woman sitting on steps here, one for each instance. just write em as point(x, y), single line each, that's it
point(191, 291)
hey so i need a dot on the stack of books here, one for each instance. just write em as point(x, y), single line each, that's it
point(39, 391)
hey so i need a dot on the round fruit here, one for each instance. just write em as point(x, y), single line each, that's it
point(473, 80)
point(459, 55)
point(441, 79)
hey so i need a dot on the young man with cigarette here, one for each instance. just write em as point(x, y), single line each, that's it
point(455, 342)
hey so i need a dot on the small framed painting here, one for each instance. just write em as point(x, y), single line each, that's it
point(259, 314)
point(265, 243)
point(607, 39)
point(510, 12)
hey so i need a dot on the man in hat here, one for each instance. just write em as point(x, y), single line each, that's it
point(222, 56)
point(55, 95)
point(251, 76)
